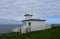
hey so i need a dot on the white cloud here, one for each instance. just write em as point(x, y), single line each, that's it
point(13, 9)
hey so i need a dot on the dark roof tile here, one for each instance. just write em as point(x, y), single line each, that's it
point(34, 20)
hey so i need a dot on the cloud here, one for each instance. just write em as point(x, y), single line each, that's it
point(15, 9)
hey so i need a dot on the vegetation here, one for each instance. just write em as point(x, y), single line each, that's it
point(53, 33)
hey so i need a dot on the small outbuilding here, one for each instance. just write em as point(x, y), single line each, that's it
point(15, 29)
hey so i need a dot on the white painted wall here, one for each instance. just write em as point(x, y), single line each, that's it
point(28, 17)
point(16, 30)
point(23, 29)
point(36, 25)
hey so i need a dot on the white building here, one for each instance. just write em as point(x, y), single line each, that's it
point(30, 24)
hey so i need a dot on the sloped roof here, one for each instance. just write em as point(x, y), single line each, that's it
point(34, 20)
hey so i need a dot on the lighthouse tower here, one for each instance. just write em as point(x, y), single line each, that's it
point(28, 16)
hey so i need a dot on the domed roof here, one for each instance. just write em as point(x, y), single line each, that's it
point(28, 15)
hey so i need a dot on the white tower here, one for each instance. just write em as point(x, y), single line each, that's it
point(28, 16)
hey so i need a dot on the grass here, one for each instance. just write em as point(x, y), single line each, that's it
point(53, 33)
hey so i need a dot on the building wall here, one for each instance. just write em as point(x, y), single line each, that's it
point(28, 17)
point(16, 30)
point(36, 25)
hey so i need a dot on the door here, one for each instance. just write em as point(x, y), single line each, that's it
point(29, 24)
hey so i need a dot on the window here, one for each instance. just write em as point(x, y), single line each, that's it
point(29, 23)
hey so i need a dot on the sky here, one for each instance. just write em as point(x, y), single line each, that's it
point(41, 9)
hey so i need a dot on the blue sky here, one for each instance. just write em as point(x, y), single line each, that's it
point(41, 9)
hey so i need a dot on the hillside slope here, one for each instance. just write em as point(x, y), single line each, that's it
point(53, 33)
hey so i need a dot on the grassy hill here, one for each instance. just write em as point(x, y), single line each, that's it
point(53, 33)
